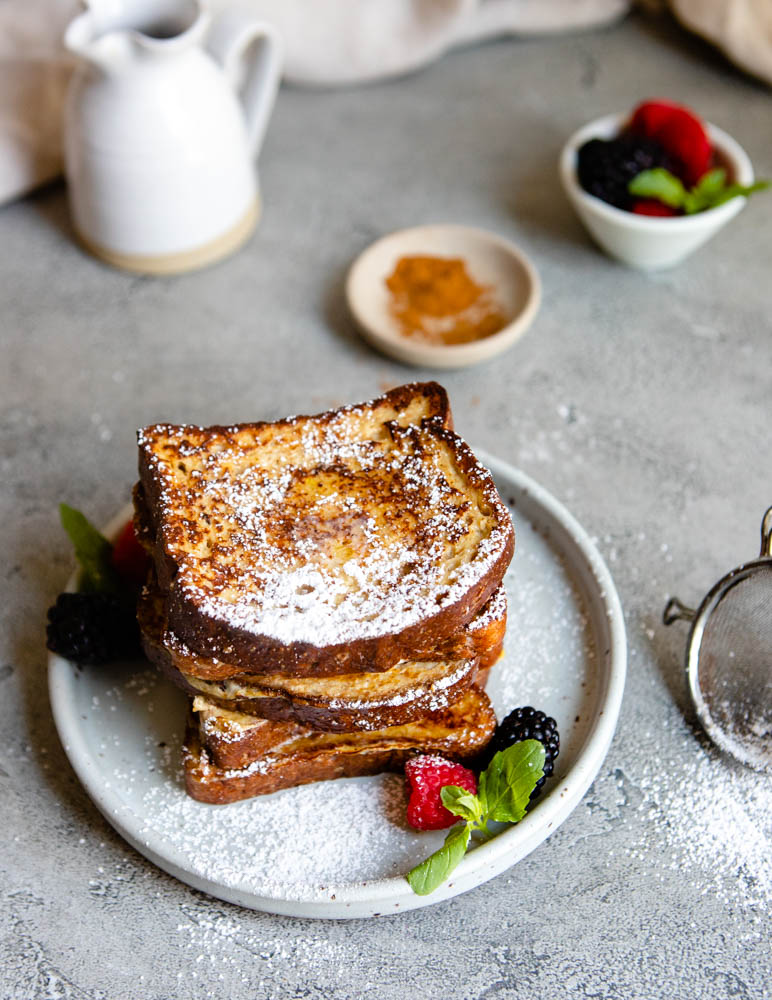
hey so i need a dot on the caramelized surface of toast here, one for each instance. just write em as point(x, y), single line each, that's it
point(250, 764)
point(351, 538)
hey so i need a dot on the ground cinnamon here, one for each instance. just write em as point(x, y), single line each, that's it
point(435, 299)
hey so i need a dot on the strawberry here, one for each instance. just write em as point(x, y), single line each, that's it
point(685, 139)
point(426, 776)
point(679, 132)
point(650, 116)
point(650, 206)
point(129, 559)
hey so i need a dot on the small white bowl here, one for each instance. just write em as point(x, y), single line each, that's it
point(490, 260)
point(648, 242)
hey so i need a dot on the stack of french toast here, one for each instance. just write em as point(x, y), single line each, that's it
point(327, 589)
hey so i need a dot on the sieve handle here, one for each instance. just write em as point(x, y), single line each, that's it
point(766, 534)
point(676, 611)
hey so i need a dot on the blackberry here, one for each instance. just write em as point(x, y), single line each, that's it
point(92, 628)
point(527, 724)
point(606, 166)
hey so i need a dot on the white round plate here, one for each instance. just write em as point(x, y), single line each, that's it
point(490, 260)
point(341, 848)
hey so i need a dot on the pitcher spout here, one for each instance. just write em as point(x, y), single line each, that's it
point(105, 50)
point(110, 35)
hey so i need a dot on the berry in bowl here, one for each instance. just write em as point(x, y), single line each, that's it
point(654, 185)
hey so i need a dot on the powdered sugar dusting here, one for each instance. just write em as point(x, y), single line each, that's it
point(319, 537)
point(551, 659)
point(709, 816)
point(495, 609)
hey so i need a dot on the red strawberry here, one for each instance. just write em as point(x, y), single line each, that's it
point(679, 131)
point(649, 116)
point(685, 139)
point(650, 206)
point(426, 775)
point(129, 559)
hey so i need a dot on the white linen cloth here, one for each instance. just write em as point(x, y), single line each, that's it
point(327, 43)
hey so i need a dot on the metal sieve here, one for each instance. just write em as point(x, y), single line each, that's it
point(729, 657)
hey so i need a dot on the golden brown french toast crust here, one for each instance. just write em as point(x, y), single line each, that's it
point(460, 732)
point(343, 702)
point(207, 783)
point(335, 543)
point(332, 715)
point(480, 638)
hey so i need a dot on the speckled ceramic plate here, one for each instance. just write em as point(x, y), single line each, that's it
point(341, 848)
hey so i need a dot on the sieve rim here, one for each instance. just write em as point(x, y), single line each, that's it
point(736, 748)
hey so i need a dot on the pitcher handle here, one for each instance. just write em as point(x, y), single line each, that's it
point(250, 53)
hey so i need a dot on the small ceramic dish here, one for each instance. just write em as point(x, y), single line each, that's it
point(646, 242)
point(490, 260)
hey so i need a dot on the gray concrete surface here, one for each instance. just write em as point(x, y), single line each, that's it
point(642, 402)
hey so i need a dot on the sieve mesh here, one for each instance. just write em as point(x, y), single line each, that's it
point(735, 664)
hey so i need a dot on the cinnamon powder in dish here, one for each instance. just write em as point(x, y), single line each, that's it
point(435, 299)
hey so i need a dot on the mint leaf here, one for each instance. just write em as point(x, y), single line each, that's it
point(704, 194)
point(430, 874)
point(505, 786)
point(710, 191)
point(92, 550)
point(660, 184)
point(461, 802)
point(740, 190)
point(710, 183)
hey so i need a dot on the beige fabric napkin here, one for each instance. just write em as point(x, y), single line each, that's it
point(741, 28)
point(34, 70)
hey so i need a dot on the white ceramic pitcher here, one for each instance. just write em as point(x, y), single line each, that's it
point(164, 118)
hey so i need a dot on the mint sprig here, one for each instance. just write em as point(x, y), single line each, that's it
point(506, 784)
point(711, 190)
point(92, 550)
point(503, 792)
point(425, 878)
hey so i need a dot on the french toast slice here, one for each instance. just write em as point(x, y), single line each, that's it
point(405, 405)
point(300, 756)
point(234, 739)
point(480, 638)
point(347, 702)
point(336, 543)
